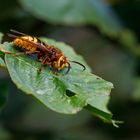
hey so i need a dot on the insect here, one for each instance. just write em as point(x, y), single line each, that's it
point(47, 54)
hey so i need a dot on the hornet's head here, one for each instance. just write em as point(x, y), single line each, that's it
point(62, 62)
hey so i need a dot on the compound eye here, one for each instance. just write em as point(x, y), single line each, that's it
point(61, 63)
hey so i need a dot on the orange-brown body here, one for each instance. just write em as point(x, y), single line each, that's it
point(47, 54)
point(22, 42)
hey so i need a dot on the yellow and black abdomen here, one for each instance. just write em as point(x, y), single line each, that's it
point(25, 42)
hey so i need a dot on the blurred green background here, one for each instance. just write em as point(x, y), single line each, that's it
point(106, 33)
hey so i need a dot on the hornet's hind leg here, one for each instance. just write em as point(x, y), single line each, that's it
point(43, 61)
point(27, 52)
point(20, 53)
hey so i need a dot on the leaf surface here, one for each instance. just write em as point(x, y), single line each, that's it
point(75, 12)
point(2, 63)
point(62, 93)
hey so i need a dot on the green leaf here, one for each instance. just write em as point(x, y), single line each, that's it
point(1, 36)
point(62, 93)
point(75, 12)
point(2, 63)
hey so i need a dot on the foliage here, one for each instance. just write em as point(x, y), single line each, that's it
point(2, 63)
point(63, 93)
point(81, 12)
point(75, 12)
point(107, 34)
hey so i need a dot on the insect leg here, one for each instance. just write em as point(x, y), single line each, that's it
point(27, 52)
point(19, 53)
point(5, 51)
point(43, 62)
point(54, 70)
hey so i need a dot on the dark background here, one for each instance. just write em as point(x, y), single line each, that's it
point(113, 55)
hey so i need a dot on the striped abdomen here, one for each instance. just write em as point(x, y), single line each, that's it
point(24, 42)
